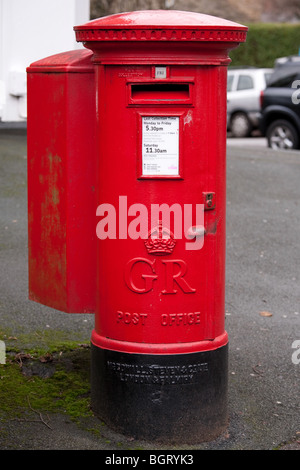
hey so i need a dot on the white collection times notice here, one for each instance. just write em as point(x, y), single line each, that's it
point(160, 146)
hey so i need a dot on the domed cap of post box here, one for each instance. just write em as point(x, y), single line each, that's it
point(158, 27)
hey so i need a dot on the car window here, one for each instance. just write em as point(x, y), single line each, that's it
point(285, 80)
point(267, 77)
point(229, 82)
point(245, 82)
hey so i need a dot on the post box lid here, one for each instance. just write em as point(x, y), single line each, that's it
point(161, 25)
point(76, 61)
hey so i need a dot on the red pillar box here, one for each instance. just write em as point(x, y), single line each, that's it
point(159, 347)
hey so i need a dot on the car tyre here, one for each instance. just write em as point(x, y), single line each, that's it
point(281, 134)
point(240, 125)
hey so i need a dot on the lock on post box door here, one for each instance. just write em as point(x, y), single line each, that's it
point(159, 346)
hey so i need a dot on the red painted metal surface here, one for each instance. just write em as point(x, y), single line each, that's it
point(61, 181)
point(145, 36)
point(170, 300)
point(188, 309)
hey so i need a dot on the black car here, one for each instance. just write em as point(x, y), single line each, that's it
point(280, 105)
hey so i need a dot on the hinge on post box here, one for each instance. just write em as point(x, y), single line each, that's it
point(209, 200)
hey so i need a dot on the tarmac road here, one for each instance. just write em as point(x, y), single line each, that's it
point(263, 275)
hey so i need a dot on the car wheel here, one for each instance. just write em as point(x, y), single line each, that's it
point(240, 125)
point(282, 135)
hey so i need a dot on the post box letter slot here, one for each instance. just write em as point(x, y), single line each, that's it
point(165, 93)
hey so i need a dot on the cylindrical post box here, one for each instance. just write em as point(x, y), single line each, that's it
point(159, 346)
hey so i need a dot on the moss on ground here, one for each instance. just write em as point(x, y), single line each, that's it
point(52, 376)
point(40, 342)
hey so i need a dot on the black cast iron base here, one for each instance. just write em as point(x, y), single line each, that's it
point(178, 398)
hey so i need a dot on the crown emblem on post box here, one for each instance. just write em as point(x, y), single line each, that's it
point(160, 241)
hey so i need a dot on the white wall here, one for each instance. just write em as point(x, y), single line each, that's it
point(31, 30)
